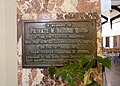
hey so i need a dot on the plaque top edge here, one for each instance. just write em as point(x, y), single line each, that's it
point(61, 20)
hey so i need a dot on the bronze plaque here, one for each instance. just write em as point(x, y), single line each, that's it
point(55, 42)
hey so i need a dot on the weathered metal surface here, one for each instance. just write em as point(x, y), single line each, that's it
point(55, 42)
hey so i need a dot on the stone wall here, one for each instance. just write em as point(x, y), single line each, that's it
point(57, 9)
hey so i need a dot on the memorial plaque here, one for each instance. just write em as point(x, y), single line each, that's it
point(55, 42)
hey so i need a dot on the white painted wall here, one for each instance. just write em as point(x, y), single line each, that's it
point(108, 32)
point(116, 27)
point(8, 43)
point(2, 45)
point(111, 41)
point(104, 42)
point(11, 42)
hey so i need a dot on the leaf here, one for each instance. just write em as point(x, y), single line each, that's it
point(89, 57)
point(87, 77)
point(106, 62)
point(80, 63)
point(71, 66)
point(52, 70)
point(79, 73)
point(81, 69)
point(62, 73)
point(81, 76)
point(90, 64)
point(70, 79)
point(84, 59)
point(99, 59)
point(94, 83)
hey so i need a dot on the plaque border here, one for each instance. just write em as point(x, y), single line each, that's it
point(24, 65)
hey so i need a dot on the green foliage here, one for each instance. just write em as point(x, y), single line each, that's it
point(80, 69)
point(106, 63)
point(94, 83)
point(52, 70)
point(90, 64)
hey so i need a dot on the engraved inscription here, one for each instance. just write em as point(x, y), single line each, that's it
point(56, 42)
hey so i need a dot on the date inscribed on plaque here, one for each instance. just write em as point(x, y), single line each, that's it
point(55, 42)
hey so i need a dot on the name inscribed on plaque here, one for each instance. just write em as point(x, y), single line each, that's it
point(55, 42)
